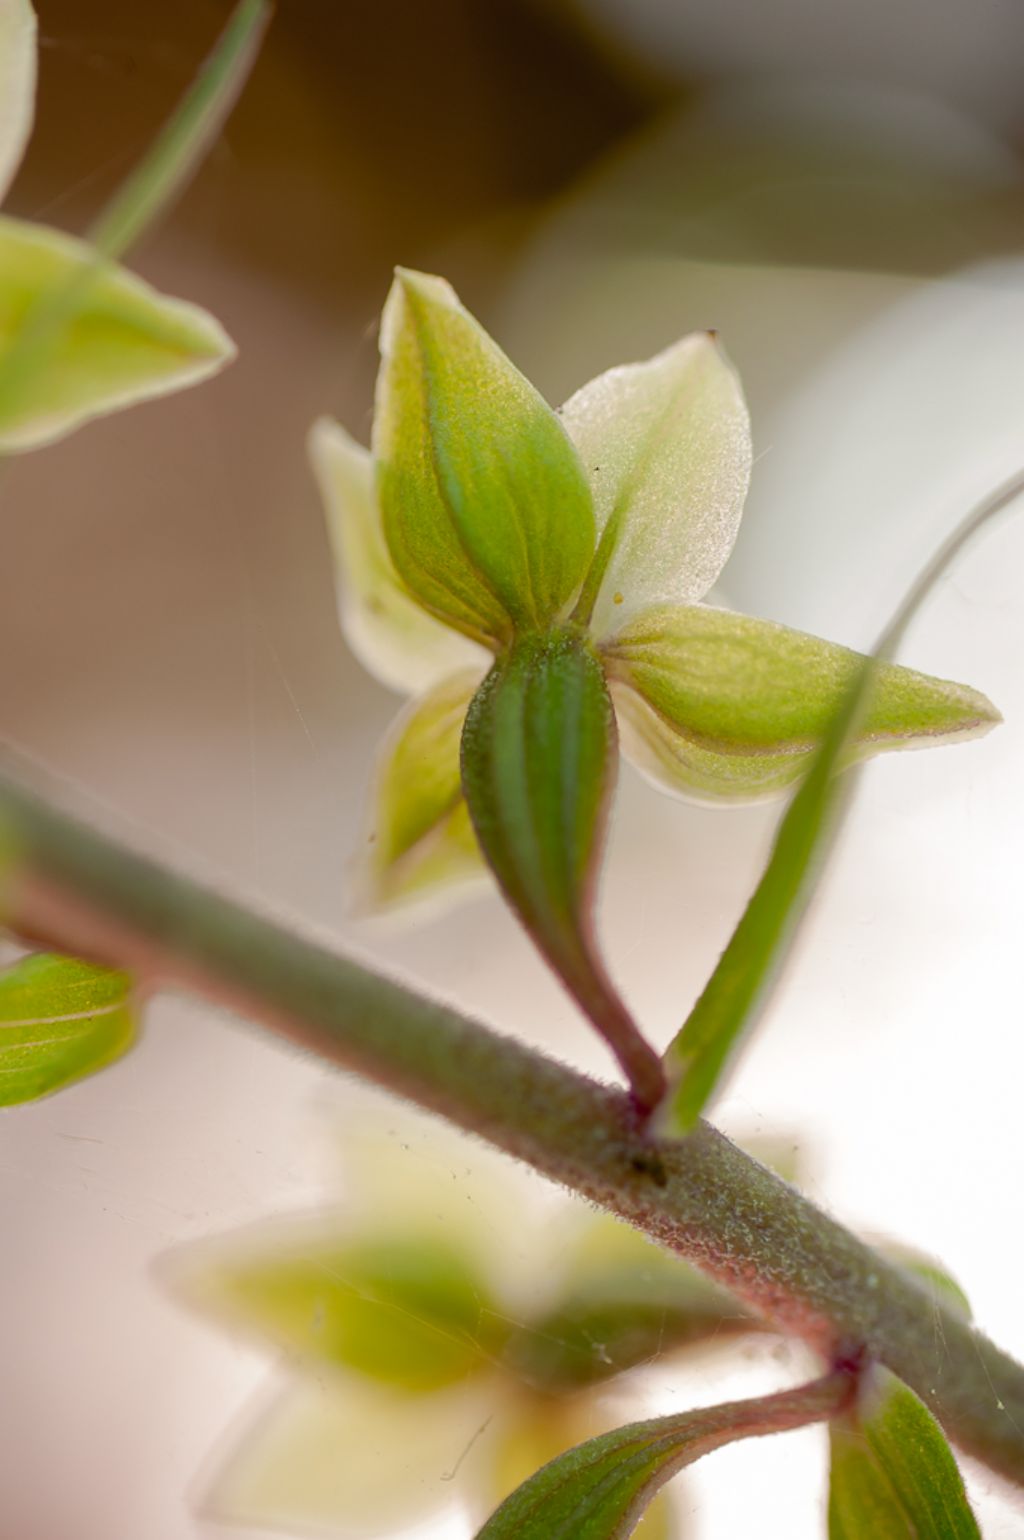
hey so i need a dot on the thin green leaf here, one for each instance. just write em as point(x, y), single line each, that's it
point(186, 139)
point(60, 1020)
point(700, 1053)
point(410, 1311)
point(599, 1490)
point(48, 328)
point(487, 511)
point(893, 1475)
point(538, 767)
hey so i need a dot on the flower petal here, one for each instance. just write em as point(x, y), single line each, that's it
point(335, 1457)
point(124, 343)
point(666, 444)
point(422, 837)
point(406, 1308)
point(716, 706)
point(487, 511)
point(17, 85)
point(392, 636)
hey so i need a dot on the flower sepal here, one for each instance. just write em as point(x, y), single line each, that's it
point(538, 769)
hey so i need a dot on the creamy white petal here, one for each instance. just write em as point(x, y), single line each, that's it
point(391, 635)
point(334, 1456)
point(667, 447)
point(17, 85)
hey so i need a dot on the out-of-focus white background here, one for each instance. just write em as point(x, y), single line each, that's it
point(839, 193)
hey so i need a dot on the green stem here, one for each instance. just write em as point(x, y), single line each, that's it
point(700, 1196)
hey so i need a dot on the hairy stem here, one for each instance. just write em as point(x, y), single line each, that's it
point(700, 1196)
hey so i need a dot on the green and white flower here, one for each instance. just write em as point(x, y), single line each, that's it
point(487, 531)
point(120, 342)
point(434, 1354)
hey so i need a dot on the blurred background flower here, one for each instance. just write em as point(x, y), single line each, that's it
point(837, 189)
point(445, 1333)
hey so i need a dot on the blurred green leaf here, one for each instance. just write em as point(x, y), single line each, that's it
point(60, 1020)
point(666, 444)
point(422, 835)
point(893, 1475)
point(78, 335)
point(17, 84)
point(487, 511)
point(726, 707)
point(700, 1052)
point(599, 1490)
point(538, 767)
point(409, 1311)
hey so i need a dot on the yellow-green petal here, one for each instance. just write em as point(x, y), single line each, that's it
point(405, 1309)
point(421, 837)
point(17, 84)
point(124, 343)
point(487, 512)
point(715, 706)
point(666, 445)
point(393, 637)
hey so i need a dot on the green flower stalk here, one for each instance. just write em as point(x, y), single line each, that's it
point(534, 579)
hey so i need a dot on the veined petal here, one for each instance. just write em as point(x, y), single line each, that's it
point(717, 706)
point(666, 444)
point(487, 511)
point(125, 342)
point(422, 837)
point(393, 637)
point(17, 85)
point(335, 1457)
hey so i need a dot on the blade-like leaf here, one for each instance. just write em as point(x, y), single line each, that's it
point(421, 836)
point(598, 1490)
point(411, 1311)
point(391, 635)
point(717, 706)
point(893, 1474)
point(17, 84)
point(538, 766)
point(187, 137)
point(79, 337)
point(699, 1054)
point(666, 444)
point(60, 1020)
point(487, 511)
